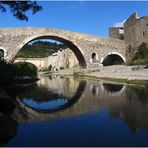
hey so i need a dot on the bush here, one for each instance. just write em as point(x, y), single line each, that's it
point(136, 68)
point(141, 57)
point(7, 73)
point(61, 67)
point(45, 69)
point(25, 69)
point(50, 67)
point(10, 71)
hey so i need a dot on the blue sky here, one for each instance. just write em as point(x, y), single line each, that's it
point(79, 16)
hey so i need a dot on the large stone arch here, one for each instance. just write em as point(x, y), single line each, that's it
point(73, 46)
point(113, 53)
point(51, 113)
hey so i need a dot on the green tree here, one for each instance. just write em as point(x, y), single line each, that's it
point(19, 8)
point(141, 57)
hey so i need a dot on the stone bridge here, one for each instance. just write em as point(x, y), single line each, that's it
point(86, 48)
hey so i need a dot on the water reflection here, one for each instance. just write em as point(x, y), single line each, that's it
point(62, 98)
point(46, 99)
point(8, 126)
point(55, 103)
point(113, 87)
point(8, 129)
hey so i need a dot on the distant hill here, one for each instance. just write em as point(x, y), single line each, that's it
point(39, 49)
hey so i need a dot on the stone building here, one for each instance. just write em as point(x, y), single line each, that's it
point(116, 32)
point(64, 58)
point(134, 33)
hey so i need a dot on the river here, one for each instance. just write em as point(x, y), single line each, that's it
point(69, 111)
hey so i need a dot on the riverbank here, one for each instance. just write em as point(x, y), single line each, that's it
point(127, 74)
point(120, 73)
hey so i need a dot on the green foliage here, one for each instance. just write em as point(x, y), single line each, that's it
point(61, 67)
point(39, 49)
point(1, 54)
point(136, 68)
point(50, 67)
point(7, 73)
point(141, 57)
point(25, 69)
point(19, 8)
point(10, 71)
point(146, 67)
point(45, 69)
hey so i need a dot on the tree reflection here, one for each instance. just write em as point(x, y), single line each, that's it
point(8, 129)
point(8, 126)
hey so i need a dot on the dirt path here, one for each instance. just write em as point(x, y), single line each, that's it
point(122, 72)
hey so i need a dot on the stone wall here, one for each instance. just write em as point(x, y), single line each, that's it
point(116, 32)
point(135, 32)
point(82, 45)
point(62, 59)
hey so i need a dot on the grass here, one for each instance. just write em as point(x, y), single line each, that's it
point(121, 80)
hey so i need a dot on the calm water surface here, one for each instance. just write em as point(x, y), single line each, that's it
point(65, 111)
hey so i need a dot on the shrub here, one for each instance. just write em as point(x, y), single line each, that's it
point(7, 73)
point(61, 67)
point(45, 69)
point(25, 69)
point(50, 67)
point(141, 57)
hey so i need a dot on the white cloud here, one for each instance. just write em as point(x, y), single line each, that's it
point(119, 24)
point(78, 4)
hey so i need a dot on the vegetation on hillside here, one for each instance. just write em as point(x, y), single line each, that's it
point(141, 57)
point(39, 49)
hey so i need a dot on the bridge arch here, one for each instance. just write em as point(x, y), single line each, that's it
point(73, 101)
point(72, 45)
point(26, 69)
point(5, 52)
point(33, 62)
point(113, 58)
point(94, 57)
point(16, 62)
point(114, 89)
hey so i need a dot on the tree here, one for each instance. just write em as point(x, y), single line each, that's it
point(19, 8)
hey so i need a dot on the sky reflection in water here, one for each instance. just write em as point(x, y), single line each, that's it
point(45, 105)
point(95, 113)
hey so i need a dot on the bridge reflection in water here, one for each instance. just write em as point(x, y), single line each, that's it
point(65, 97)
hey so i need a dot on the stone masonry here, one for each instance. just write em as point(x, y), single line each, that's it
point(82, 45)
point(134, 32)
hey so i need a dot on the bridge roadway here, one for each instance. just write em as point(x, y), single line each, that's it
point(83, 45)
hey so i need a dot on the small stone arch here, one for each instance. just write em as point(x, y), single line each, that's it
point(113, 89)
point(5, 52)
point(23, 61)
point(113, 58)
point(73, 46)
point(94, 57)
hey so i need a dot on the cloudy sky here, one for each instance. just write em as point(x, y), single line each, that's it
point(79, 16)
